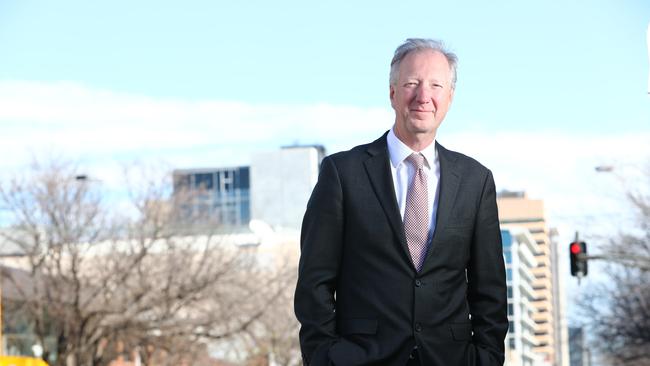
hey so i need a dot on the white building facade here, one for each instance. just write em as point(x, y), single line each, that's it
point(281, 184)
point(519, 250)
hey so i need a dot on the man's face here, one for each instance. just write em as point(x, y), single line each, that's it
point(422, 94)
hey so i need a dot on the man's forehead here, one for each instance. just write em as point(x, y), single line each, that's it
point(437, 64)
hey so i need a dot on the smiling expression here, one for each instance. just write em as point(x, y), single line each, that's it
point(421, 97)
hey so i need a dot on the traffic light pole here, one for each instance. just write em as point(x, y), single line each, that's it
point(579, 259)
point(630, 260)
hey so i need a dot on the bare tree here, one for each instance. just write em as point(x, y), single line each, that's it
point(618, 311)
point(274, 336)
point(110, 277)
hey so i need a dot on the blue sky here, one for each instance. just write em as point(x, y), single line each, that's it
point(533, 65)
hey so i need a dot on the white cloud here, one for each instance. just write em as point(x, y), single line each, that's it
point(82, 120)
point(101, 128)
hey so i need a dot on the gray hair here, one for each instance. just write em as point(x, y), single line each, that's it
point(418, 44)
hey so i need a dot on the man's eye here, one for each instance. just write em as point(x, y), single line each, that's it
point(411, 83)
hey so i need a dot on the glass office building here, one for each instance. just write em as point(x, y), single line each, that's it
point(220, 195)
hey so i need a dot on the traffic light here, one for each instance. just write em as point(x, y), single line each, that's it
point(578, 253)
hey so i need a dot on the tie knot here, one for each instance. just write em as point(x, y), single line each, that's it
point(416, 159)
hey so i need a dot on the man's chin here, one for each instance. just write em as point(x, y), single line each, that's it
point(422, 127)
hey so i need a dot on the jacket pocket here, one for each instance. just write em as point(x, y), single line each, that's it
point(357, 326)
point(461, 331)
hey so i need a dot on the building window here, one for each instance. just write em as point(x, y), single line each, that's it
point(203, 180)
point(227, 180)
point(511, 309)
point(511, 329)
point(511, 343)
point(508, 256)
point(509, 274)
point(506, 239)
point(242, 180)
point(510, 292)
point(181, 182)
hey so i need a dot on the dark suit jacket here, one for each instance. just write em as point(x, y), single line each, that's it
point(360, 300)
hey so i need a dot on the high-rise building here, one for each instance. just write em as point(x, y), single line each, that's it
point(516, 209)
point(518, 252)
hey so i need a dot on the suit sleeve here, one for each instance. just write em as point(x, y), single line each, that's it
point(487, 295)
point(320, 244)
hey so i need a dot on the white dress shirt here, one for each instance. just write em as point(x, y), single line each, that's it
point(403, 174)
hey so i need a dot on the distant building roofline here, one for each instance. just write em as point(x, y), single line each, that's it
point(511, 194)
point(207, 170)
point(320, 148)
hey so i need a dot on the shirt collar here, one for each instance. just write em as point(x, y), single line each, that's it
point(398, 151)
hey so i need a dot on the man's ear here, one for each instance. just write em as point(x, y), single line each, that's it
point(391, 93)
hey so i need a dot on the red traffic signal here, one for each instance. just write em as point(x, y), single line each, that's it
point(578, 257)
point(575, 248)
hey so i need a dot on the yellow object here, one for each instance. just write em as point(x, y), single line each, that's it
point(21, 361)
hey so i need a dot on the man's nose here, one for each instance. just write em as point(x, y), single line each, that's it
point(423, 95)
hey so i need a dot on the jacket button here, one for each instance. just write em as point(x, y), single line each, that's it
point(418, 327)
point(418, 283)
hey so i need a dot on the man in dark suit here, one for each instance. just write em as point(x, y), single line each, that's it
point(401, 260)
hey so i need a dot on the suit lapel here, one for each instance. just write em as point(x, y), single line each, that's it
point(378, 169)
point(449, 183)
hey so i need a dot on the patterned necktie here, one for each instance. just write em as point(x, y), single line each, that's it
point(416, 213)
